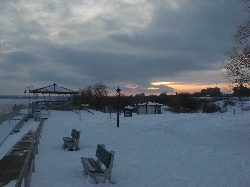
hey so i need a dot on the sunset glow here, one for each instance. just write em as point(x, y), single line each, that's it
point(153, 88)
point(172, 84)
point(131, 86)
point(189, 87)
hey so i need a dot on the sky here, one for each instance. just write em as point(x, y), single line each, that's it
point(142, 46)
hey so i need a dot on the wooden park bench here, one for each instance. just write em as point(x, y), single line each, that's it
point(72, 143)
point(94, 168)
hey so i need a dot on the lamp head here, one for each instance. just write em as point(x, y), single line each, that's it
point(118, 90)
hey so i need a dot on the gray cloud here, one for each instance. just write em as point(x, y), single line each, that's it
point(117, 42)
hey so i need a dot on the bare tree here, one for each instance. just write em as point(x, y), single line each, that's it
point(237, 68)
point(100, 90)
point(95, 96)
point(87, 95)
point(100, 95)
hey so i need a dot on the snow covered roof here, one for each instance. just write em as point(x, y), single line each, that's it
point(149, 103)
point(128, 107)
point(54, 89)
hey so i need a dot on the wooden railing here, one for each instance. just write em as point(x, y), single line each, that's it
point(29, 164)
point(19, 124)
point(17, 127)
point(8, 116)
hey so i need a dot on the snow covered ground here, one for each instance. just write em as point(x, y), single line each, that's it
point(169, 149)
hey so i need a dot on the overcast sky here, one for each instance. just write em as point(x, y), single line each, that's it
point(149, 46)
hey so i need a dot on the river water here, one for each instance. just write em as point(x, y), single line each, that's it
point(7, 104)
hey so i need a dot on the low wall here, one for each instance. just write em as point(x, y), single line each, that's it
point(8, 116)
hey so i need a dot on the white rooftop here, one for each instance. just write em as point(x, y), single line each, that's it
point(149, 103)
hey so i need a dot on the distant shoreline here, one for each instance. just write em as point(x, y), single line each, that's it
point(27, 96)
point(13, 97)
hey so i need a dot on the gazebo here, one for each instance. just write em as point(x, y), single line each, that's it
point(53, 89)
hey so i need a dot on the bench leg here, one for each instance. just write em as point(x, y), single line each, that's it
point(110, 181)
point(84, 172)
point(76, 148)
point(70, 148)
point(96, 180)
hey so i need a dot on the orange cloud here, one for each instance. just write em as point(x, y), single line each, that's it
point(170, 84)
point(153, 88)
point(131, 86)
point(189, 87)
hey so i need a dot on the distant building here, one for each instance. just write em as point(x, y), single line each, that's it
point(149, 108)
point(140, 95)
point(241, 91)
point(164, 94)
point(211, 92)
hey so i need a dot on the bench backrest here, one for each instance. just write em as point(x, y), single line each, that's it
point(103, 155)
point(75, 134)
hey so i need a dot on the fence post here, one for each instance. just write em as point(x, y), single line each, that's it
point(29, 164)
point(26, 179)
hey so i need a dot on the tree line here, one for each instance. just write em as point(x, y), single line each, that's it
point(98, 98)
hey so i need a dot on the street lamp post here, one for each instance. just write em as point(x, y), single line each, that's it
point(29, 89)
point(118, 103)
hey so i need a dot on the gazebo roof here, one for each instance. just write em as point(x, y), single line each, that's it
point(53, 89)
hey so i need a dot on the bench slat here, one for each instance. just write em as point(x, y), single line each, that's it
point(95, 165)
point(103, 155)
point(87, 164)
point(68, 139)
point(92, 165)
